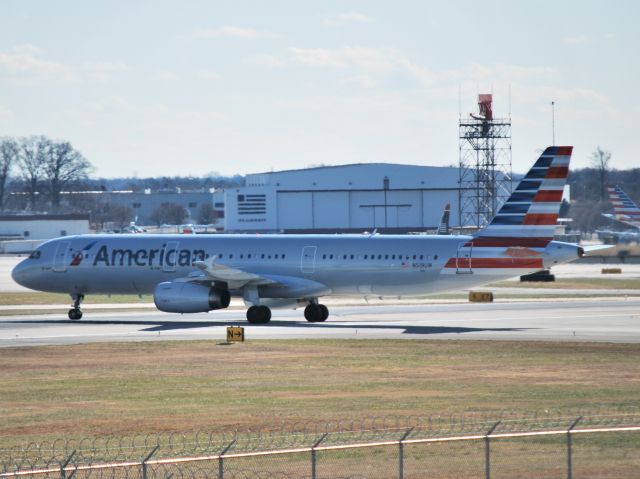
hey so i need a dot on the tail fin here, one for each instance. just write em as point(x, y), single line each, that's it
point(443, 229)
point(529, 216)
point(624, 209)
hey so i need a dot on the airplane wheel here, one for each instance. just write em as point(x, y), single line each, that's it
point(325, 312)
point(313, 313)
point(258, 315)
point(75, 314)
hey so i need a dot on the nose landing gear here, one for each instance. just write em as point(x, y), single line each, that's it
point(75, 313)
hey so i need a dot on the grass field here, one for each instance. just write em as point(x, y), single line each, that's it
point(131, 388)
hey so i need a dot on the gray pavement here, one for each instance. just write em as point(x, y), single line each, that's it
point(555, 320)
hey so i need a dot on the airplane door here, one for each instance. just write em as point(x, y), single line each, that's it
point(170, 257)
point(61, 257)
point(308, 261)
point(463, 259)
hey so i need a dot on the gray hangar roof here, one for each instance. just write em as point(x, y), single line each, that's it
point(359, 176)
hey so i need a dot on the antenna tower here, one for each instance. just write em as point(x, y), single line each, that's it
point(485, 164)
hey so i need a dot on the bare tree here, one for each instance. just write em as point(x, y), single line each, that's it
point(63, 165)
point(207, 214)
point(33, 153)
point(9, 150)
point(105, 212)
point(169, 213)
point(600, 161)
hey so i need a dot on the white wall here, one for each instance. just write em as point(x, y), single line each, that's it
point(43, 229)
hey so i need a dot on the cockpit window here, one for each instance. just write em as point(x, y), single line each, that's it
point(35, 255)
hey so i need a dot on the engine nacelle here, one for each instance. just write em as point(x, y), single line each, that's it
point(179, 297)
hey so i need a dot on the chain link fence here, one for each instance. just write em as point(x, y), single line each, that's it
point(602, 444)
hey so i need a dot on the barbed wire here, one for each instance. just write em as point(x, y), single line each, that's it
point(95, 450)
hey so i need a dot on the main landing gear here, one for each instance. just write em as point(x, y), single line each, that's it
point(75, 313)
point(316, 313)
point(258, 314)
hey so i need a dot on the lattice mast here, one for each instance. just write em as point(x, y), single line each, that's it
point(485, 165)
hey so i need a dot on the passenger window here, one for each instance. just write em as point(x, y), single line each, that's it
point(421, 256)
point(276, 256)
point(283, 256)
point(231, 256)
point(393, 256)
point(344, 256)
point(435, 256)
point(366, 256)
point(324, 256)
point(262, 256)
point(414, 256)
point(351, 256)
point(249, 256)
point(241, 256)
point(269, 257)
point(330, 256)
point(386, 256)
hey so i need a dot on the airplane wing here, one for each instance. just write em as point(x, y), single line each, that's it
point(234, 277)
point(277, 286)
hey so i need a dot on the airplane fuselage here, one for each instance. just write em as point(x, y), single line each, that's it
point(345, 264)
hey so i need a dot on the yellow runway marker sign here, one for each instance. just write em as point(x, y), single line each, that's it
point(235, 334)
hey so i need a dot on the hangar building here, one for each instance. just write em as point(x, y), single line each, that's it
point(391, 198)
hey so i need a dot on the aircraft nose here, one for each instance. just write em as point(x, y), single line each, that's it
point(20, 274)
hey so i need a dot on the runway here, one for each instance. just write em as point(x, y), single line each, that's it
point(549, 320)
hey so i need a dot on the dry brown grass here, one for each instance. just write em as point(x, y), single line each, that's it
point(130, 388)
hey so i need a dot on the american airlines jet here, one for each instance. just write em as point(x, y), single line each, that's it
point(200, 273)
point(624, 209)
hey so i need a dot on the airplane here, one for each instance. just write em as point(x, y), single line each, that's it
point(624, 209)
point(200, 273)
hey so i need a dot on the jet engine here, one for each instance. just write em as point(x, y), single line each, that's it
point(179, 297)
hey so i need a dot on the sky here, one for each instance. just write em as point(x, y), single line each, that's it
point(150, 88)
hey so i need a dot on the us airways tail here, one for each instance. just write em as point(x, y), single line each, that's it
point(624, 209)
point(443, 229)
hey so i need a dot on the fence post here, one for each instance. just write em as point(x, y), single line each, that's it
point(313, 454)
point(144, 461)
point(569, 439)
point(401, 447)
point(487, 451)
point(221, 459)
point(64, 464)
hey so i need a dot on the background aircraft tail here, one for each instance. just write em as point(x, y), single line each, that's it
point(624, 209)
point(528, 218)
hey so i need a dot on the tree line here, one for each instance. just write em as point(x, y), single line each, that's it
point(42, 166)
point(37, 170)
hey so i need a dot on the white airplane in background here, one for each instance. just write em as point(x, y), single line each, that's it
point(624, 209)
point(200, 273)
point(626, 212)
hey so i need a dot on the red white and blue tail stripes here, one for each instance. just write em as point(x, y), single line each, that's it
point(517, 236)
point(528, 218)
point(624, 209)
